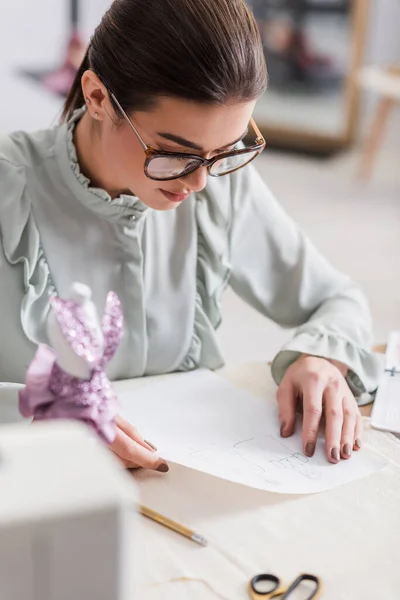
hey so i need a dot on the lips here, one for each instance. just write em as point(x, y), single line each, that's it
point(175, 197)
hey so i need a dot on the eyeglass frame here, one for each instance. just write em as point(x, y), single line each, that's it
point(151, 153)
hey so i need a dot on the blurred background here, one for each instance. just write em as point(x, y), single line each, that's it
point(331, 119)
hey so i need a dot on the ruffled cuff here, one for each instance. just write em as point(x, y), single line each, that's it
point(365, 367)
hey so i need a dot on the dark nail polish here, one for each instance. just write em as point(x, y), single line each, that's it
point(163, 468)
point(310, 449)
point(358, 444)
point(283, 427)
point(347, 450)
point(151, 445)
point(335, 454)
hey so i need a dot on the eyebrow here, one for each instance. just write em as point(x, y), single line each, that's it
point(188, 144)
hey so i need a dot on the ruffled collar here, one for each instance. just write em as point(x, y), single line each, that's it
point(125, 206)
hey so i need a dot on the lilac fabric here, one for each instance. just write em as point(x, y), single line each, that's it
point(51, 393)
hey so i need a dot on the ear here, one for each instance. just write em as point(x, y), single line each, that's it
point(96, 96)
point(112, 326)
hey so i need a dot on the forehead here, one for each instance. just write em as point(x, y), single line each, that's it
point(209, 126)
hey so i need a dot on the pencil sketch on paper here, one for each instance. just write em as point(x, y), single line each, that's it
point(275, 453)
point(258, 456)
point(207, 424)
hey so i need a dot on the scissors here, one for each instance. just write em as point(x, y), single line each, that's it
point(266, 587)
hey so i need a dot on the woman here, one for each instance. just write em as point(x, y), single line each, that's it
point(142, 191)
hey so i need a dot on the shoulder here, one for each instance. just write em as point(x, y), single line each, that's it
point(23, 150)
point(20, 154)
point(239, 187)
point(233, 195)
point(12, 175)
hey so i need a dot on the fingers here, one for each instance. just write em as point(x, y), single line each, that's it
point(323, 389)
point(312, 412)
point(131, 451)
point(126, 463)
point(350, 411)
point(334, 423)
point(132, 432)
point(287, 402)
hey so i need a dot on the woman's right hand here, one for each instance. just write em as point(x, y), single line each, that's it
point(133, 451)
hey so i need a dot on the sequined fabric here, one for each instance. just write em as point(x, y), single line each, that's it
point(51, 393)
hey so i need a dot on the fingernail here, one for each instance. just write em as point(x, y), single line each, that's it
point(310, 449)
point(358, 444)
point(163, 468)
point(335, 454)
point(151, 445)
point(283, 427)
point(347, 450)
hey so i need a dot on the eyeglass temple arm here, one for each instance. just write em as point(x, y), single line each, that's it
point(260, 137)
point(144, 145)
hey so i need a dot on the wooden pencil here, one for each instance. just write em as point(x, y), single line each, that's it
point(173, 525)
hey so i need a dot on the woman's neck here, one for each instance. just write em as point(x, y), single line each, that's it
point(90, 156)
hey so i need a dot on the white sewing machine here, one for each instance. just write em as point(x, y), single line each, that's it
point(67, 516)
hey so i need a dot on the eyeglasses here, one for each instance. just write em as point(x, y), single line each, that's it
point(165, 166)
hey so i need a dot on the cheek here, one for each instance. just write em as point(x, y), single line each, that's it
point(126, 157)
point(126, 160)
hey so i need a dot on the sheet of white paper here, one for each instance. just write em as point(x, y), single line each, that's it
point(386, 410)
point(203, 422)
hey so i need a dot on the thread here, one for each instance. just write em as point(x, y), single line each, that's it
point(191, 580)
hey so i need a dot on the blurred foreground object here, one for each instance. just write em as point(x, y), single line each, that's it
point(67, 516)
point(68, 380)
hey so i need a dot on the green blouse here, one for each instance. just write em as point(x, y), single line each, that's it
point(169, 269)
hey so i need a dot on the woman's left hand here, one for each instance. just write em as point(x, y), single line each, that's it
point(321, 387)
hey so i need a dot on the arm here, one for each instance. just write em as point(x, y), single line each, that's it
point(277, 270)
point(15, 348)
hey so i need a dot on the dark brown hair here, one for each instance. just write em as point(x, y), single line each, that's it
point(208, 51)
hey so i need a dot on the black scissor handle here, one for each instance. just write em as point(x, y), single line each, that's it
point(260, 579)
point(298, 581)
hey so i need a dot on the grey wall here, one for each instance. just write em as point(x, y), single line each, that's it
point(383, 40)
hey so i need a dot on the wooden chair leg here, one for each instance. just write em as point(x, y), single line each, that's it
point(375, 137)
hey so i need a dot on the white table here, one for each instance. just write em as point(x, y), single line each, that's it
point(347, 536)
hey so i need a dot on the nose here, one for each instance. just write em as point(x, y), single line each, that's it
point(197, 180)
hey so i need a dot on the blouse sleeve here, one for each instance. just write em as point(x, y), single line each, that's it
point(24, 275)
point(277, 270)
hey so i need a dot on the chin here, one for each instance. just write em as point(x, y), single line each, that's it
point(157, 204)
point(158, 201)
